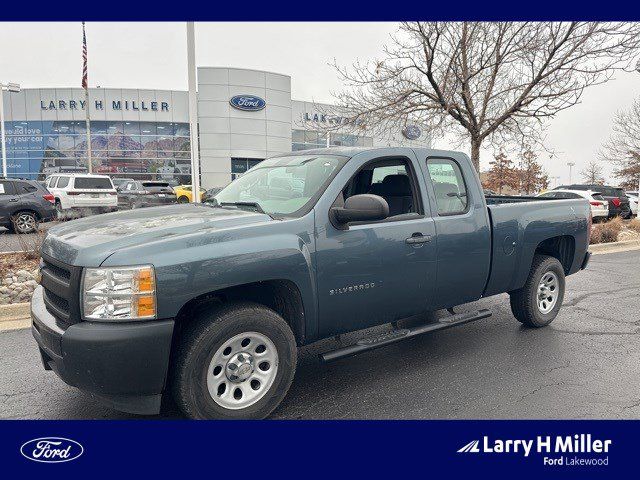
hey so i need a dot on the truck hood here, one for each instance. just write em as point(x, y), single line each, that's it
point(89, 241)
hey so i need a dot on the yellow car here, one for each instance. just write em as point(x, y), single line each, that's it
point(183, 193)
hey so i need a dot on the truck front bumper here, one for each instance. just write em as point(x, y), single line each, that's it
point(124, 365)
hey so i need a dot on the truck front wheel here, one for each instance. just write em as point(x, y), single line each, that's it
point(537, 303)
point(234, 363)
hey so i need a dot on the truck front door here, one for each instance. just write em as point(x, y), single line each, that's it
point(376, 272)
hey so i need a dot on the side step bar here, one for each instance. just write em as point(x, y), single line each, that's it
point(394, 336)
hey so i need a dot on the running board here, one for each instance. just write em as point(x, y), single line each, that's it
point(394, 336)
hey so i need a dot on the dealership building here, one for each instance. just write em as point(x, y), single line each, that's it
point(244, 116)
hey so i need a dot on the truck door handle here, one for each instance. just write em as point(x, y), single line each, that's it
point(13, 200)
point(418, 238)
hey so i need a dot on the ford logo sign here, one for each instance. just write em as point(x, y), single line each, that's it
point(249, 103)
point(51, 450)
point(412, 132)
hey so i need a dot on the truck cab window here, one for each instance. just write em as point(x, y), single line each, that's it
point(448, 185)
point(390, 179)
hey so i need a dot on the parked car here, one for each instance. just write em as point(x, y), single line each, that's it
point(618, 201)
point(139, 194)
point(23, 204)
point(208, 195)
point(184, 193)
point(119, 182)
point(210, 302)
point(82, 191)
point(633, 202)
point(599, 206)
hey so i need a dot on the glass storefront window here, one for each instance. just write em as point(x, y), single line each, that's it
point(148, 128)
point(79, 127)
point(114, 128)
point(131, 128)
point(98, 127)
point(297, 136)
point(151, 150)
point(239, 166)
point(306, 140)
point(181, 130)
point(165, 129)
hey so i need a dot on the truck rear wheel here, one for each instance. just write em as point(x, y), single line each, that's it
point(234, 363)
point(537, 303)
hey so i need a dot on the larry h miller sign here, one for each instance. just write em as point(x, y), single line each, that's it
point(135, 105)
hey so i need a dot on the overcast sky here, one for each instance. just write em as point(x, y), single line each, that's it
point(153, 55)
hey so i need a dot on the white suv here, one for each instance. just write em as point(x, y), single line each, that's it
point(82, 191)
point(599, 206)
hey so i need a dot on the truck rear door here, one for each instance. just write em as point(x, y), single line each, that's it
point(463, 234)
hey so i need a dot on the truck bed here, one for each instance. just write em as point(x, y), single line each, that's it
point(519, 227)
point(500, 199)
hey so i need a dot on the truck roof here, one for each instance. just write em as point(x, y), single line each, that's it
point(351, 151)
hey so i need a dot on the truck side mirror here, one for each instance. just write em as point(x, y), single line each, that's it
point(361, 208)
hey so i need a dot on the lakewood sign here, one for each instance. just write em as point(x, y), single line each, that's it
point(132, 105)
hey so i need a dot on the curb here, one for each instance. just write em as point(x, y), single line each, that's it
point(613, 247)
point(14, 311)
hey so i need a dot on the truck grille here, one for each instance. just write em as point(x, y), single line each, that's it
point(61, 285)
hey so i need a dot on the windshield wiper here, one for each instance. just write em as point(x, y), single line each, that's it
point(255, 205)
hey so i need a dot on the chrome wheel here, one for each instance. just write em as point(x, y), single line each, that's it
point(25, 223)
point(242, 370)
point(548, 292)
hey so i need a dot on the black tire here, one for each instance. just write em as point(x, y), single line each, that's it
point(198, 344)
point(524, 302)
point(59, 211)
point(183, 199)
point(24, 222)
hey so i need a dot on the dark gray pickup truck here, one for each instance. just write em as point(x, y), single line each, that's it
point(209, 302)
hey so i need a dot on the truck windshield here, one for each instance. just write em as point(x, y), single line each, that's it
point(283, 186)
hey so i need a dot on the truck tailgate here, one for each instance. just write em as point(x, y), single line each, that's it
point(517, 229)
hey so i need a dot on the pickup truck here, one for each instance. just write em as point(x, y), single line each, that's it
point(208, 303)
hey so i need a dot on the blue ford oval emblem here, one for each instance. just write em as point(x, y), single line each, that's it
point(412, 132)
point(51, 450)
point(250, 103)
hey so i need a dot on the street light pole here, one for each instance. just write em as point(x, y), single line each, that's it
point(571, 164)
point(193, 113)
point(10, 87)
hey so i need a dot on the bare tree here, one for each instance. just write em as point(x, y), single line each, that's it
point(502, 173)
point(593, 173)
point(532, 177)
point(486, 80)
point(623, 148)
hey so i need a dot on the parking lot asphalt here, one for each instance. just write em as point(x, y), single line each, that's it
point(586, 364)
point(12, 242)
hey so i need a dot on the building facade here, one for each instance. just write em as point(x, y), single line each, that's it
point(244, 116)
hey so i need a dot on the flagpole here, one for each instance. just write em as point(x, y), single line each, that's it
point(193, 112)
point(85, 84)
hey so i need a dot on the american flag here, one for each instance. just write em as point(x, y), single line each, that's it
point(85, 80)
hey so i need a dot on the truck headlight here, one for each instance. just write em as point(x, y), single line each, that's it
point(119, 293)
